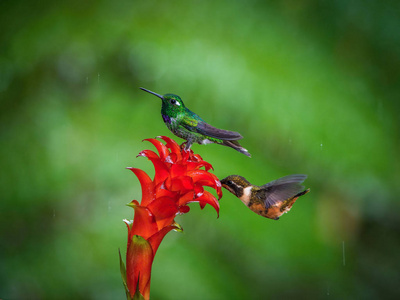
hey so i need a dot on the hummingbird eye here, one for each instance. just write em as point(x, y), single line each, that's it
point(174, 102)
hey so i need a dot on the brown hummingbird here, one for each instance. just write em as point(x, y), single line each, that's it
point(270, 200)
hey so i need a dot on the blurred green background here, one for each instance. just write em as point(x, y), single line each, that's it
point(313, 86)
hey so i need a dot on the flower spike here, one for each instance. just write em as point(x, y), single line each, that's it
point(180, 177)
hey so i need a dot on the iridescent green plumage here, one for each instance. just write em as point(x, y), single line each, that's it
point(189, 126)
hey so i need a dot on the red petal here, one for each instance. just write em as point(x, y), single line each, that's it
point(167, 183)
point(184, 209)
point(196, 157)
point(198, 190)
point(172, 158)
point(161, 148)
point(164, 209)
point(144, 222)
point(172, 145)
point(148, 153)
point(146, 184)
point(178, 170)
point(156, 239)
point(162, 171)
point(129, 225)
point(191, 165)
point(208, 198)
point(187, 198)
point(181, 184)
point(218, 188)
point(186, 155)
point(139, 259)
point(161, 192)
point(204, 178)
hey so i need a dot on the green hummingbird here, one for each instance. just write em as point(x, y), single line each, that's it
point(189, 126)
point(270, 200)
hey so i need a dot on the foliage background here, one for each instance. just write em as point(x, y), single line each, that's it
point(313, 86)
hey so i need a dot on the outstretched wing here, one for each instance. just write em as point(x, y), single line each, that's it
point(283, 188)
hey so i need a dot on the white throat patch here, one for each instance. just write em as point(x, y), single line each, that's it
point(246, 195)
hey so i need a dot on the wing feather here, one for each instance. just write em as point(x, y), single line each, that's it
point(189, 123)
point(208, 130)
point(283, 188)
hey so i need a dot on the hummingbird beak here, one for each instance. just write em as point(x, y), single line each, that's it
point(155, 94)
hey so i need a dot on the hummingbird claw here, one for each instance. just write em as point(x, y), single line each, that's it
point(186, 145)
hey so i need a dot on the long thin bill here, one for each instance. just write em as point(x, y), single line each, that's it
point(155, 94)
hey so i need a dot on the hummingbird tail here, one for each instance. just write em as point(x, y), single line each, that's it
point(235, 145)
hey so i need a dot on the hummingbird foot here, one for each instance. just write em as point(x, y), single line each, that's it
point(186, 145)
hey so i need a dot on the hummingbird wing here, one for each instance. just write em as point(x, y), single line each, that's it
point(208, 130)
point(283, 188)
point(193, 122)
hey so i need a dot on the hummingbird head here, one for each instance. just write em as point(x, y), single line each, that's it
point(172, 104)
point(235, 184)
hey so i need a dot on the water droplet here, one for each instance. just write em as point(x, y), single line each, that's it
point(344, 255)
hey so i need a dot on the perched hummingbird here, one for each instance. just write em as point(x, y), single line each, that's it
point(189, 126)
point(270, 200)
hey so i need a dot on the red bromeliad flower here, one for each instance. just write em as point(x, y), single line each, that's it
point(180, 177)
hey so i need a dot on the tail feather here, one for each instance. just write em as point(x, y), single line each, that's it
point(235, 145)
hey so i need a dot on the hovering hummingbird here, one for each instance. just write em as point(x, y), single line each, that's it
point(190, 127)
point(270, 200)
